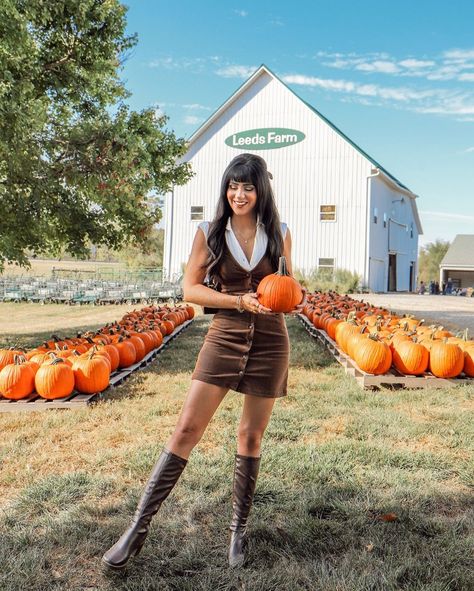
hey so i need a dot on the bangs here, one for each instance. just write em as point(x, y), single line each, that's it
point(241, 173)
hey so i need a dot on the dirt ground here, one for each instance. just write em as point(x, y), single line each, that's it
point(452, 312)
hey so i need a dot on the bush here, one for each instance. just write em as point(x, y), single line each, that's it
point(340, 280)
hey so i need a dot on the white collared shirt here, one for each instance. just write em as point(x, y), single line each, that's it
point(259, 246)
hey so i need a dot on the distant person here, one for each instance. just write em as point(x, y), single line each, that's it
point(449, 286)
point(422, 289)
point(436, 288)
point(431, 287)
point(444, 288)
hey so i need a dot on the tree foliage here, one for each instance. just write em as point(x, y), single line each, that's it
point(430, 258)
point(76, 165)
point(149, 258)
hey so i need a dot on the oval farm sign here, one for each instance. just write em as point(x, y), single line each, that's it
point(266, 138)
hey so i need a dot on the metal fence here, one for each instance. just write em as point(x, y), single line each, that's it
point(124, 288)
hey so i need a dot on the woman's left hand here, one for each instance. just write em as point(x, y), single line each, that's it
point(299, 307)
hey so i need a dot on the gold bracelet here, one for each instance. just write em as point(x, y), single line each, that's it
point(240, 308)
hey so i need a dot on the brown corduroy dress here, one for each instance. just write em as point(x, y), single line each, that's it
point(245, 352)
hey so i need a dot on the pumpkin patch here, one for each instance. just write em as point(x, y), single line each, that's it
point(377, 340)
point(60, 366)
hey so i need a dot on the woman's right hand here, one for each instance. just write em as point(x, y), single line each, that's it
point(250, 303)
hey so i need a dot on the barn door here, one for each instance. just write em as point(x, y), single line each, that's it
point(392, 272)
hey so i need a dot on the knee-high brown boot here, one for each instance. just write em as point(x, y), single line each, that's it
point(164, 476)
point(245, 480)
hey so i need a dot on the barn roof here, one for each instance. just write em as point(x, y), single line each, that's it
point(460, 253)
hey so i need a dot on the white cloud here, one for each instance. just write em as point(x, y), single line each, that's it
point(459, 54)
point(397, 94)
point(236, 71)
point(437, 101)
point(414, 63)
point(276, 22)
point(378, 66)
point(192, 120)
point(449, 65)
point(197, 64)
point(197, 107)
point(242, 13)
point(447, 215)
point(469, 150)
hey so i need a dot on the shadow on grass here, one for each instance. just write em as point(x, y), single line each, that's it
point(330, 536)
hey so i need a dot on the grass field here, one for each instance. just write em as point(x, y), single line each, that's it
point(28, 325)
point(45, 267)
point(358, 490)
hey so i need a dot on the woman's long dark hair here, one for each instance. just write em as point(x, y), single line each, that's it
point(245, 168)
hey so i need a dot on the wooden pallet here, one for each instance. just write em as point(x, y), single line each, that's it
point(79, 400)
point(393, 378)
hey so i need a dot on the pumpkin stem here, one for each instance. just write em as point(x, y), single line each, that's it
point(57, 360)
point(282, 269)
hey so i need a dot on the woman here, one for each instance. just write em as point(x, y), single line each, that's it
point(246, 348)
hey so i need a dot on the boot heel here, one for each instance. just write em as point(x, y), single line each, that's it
point(138, 549)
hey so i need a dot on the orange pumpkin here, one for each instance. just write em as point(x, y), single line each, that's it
point(279, 291)
point(469, 361)
point(446, 360)
point(373, 356)
point(17, 380)
point(127, 352)
point(91, 373)
point(410, 358)
point(7, 356)
point(54, 380)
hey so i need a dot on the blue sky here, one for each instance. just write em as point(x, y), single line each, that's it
point(397, 78)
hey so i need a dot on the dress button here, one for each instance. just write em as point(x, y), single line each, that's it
point(241, 373)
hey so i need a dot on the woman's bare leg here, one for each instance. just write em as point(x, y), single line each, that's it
point(198, 409)
point(256, 414)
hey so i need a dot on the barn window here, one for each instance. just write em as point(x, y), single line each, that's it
point(376, 215)
point(411, 230)
point(327, 213)
point(384, 220)
point(326, 268)
point(197, 212)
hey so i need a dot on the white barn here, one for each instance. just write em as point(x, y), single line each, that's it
point(343, 208)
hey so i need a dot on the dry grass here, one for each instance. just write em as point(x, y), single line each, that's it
point(44, 267)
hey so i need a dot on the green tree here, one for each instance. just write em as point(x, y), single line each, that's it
point(430, 257)
point(149, 258)
point(76, 165)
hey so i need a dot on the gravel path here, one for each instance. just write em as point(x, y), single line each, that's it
point(453, 312)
